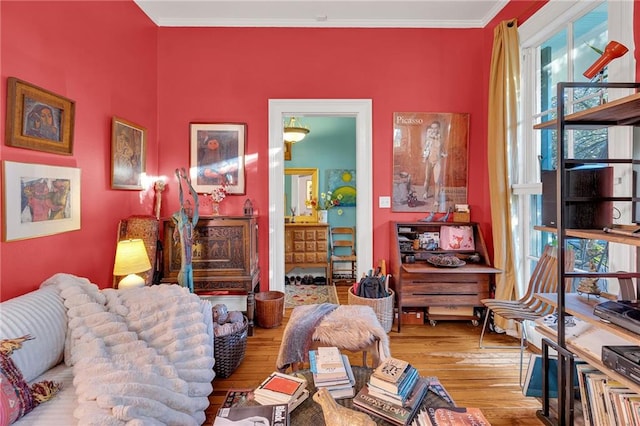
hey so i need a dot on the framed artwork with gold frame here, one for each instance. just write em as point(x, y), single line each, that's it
point(128, 154)
point(38, 119)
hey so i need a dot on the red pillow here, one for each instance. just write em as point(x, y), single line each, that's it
point(16, 397)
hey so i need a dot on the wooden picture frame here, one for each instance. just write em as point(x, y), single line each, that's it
point(39, 200)
point(128, 154)
point(38, 119)
point(430, 161)
point(217, 156)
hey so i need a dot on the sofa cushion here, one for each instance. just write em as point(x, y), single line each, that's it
point(17, 398)
point(42, 315)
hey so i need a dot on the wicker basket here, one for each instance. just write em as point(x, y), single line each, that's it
point(269, 308)
point(229, 350)
point(383, 307)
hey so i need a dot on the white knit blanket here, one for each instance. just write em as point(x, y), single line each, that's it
point(140, 356)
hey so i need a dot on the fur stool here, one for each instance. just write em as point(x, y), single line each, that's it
point(352, 328)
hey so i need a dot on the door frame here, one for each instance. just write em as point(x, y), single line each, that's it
point(361, 109)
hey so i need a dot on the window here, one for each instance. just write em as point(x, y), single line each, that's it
point(558, 43)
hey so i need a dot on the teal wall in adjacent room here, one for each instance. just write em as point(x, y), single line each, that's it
point(330, 144)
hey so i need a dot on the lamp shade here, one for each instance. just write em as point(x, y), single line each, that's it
point(612, 51)
point(131, 258)
point(294, 131)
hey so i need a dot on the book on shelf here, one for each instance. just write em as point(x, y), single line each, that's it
point(237, 397)
point(436, 387)
point(390, 370)
point(272, 415)
point(394, 413)
point(280, 387)
point(581, 372)
point(402, 387)
point(533, 379)
point(451, 416)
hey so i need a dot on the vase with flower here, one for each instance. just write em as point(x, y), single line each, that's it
point(326, 202)
point(217, 195)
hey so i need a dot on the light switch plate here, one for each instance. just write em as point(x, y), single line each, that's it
point(384, 202)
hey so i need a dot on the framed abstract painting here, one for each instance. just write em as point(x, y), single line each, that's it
point(39, 200)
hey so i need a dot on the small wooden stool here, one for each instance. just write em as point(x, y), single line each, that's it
point(352, 328)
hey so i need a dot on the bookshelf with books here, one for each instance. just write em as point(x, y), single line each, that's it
point(623, 111)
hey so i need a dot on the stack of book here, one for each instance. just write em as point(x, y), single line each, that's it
point(332, 371)
point(394, 392)
point(281, 388)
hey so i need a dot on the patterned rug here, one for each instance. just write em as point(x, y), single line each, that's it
point(296, 295)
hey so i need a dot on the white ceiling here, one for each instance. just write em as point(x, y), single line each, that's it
point(322, 13)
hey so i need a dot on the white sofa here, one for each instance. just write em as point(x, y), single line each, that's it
point(113, 385)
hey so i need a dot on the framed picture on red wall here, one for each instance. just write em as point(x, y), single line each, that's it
point(429, 161)
point(38, 119)
point(217, 156)
point(128, 154)
point(39, 200)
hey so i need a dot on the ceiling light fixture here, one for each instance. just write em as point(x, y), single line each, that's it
point(613, 51)
point(295, 131)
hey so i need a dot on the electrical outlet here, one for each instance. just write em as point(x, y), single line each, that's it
point(384, 202)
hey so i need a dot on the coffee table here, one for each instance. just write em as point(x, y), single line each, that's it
point(310, 412)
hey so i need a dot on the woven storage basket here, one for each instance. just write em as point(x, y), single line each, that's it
point(269, 308)
point(383, 307)
point(229, 350)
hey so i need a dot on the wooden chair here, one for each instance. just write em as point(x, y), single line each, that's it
point(544, 279)
point(343, 259)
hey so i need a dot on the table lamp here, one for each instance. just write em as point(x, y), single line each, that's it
point(131, 259)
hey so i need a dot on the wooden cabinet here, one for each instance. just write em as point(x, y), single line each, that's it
point(306, 245)
point(418, 283)
point(624, 111)
point(225, 257)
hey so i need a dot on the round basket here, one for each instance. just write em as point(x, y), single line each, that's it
point(229, 350)
point(383, 307)
point(269, 308)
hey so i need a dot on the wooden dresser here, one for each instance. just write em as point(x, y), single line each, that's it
point(306, 245)
point(225, 257)
point(448, 293)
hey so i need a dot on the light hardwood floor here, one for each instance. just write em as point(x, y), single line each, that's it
point(484, 378)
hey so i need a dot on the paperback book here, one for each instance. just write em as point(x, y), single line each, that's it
point(436, 387)
point(321, 374)
point(421, 388)
point(402, 387)
point(451, 416)
point(293, 404)
point(271, 415)
point(329, 357)
point(281, 387)
point(390, 370)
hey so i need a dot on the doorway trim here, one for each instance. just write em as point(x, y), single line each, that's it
point(360, 109)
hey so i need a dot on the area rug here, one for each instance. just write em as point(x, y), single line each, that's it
point(296, 295)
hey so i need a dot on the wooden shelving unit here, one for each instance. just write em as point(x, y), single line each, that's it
point(620, 112)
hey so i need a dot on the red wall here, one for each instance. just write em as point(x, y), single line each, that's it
point(102, 55)
point(112, 60)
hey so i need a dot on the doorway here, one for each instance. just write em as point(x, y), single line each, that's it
point(361, 110)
